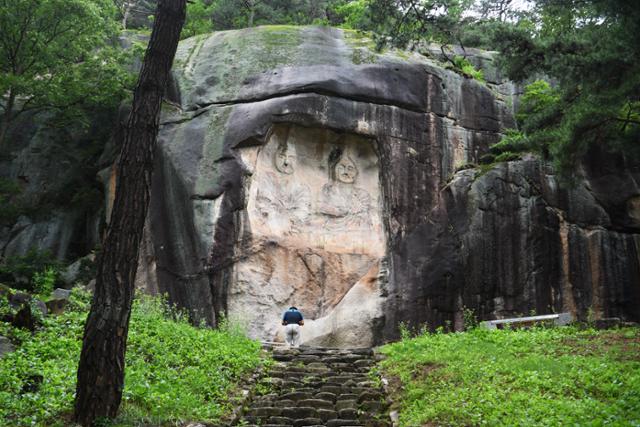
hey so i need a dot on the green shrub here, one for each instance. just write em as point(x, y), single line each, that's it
point(5, 307)
point(174, 371)
point(507, 156)
point(353, 14)
point(465, 67)
point(21, 271)
point(469, 318)
point(537, 97)
point(538, 377)
point(513, 141)
point(511, 147)
point(44, 281)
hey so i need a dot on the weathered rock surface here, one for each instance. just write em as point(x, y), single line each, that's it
point(54, 171)
point(298, 167)
point(275, 182)
point(515, 241)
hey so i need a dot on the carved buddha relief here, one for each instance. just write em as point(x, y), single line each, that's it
point(284, 159)
point(313, 220)
point(343, 204)
point(283, 203)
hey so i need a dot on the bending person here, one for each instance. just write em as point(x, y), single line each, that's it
point(292, 320)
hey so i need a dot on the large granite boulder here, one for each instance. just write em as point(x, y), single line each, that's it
point(296, 166)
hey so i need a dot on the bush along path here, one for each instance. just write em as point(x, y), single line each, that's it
point(319, 387)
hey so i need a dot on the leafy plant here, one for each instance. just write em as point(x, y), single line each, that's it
point(538, 377)
point(5, 307)
point(55, 55)
point(465, 67)
point(20, 271)
point(469, 318)
point(537, 97)
point(352, 14)
point(175, 371)
point(44, 281)
point(510, 147)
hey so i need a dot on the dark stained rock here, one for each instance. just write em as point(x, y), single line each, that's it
point(56, 306)
point(511, 240)
point(24, 318)
point(18, 299)
point(607, 323)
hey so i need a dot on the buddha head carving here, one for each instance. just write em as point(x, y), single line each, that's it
point(285, 159)
point(342, 168)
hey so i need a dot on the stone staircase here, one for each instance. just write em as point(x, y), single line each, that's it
point(318, 387)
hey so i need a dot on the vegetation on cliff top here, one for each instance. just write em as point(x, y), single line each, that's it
point(587, 49)
point(175, 372)
point(539, 377)
point(59, 56)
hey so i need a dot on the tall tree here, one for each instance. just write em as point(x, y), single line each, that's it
point(102, 361)
point(590, 49)
point(405, 21)
point(54, 55)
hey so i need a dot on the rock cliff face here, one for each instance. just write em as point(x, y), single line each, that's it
point(54, 170)
point(296, 166)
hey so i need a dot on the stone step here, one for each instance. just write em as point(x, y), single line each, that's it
point(343, 423)
point(313, 387)
point(316, 403)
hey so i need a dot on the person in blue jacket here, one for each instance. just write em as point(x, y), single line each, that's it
point(292, 320)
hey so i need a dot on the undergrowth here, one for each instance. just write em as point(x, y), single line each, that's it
point(540, 377)
point(174, 371)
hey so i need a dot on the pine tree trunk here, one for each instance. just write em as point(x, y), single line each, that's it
point(6, 118)
point(125, 15)
point(101, 369)
point(252, 14)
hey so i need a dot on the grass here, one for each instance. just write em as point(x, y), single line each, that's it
point(539, 377)
point(175, 372)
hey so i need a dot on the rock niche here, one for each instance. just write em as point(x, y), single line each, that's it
point(298, 166)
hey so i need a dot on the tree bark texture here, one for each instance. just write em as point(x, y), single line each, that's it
point(102, 361)
point(6, 117)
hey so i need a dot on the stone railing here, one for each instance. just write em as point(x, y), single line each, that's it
point(560, 319)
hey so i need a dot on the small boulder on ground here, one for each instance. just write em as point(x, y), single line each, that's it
point(608, 323)
point(57, 306)
point(60, 293)
point(25, 319)
point(5, 346)
point(19, 299)
point(25, 316)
